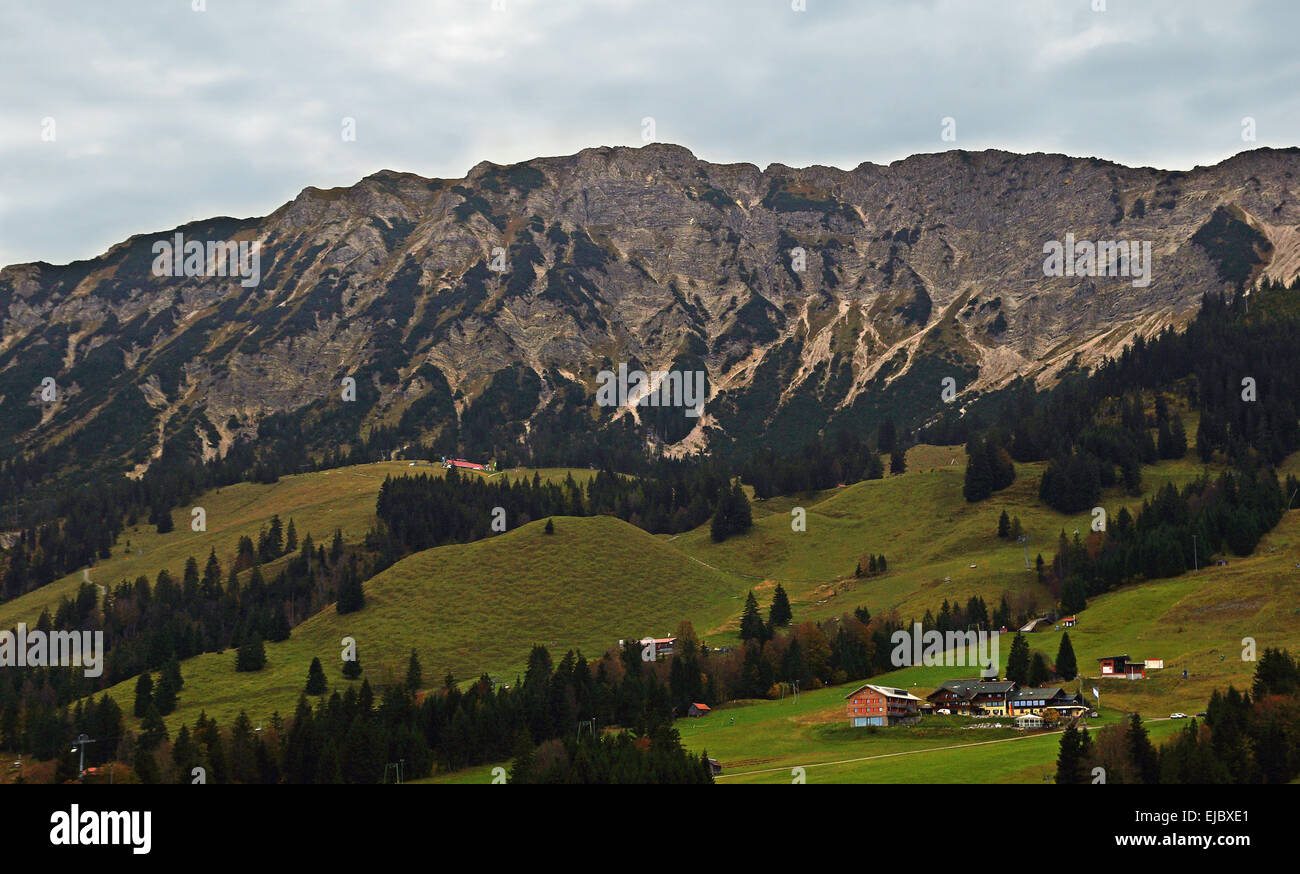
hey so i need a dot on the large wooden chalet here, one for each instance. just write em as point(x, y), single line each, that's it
point(882, 705)
point(976, 697)
point(973, 696)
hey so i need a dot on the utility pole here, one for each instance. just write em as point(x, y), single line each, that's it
point(1196, 564)
point(80, 744)
point(1024, 544)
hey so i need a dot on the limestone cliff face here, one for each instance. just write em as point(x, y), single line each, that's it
point(929, 267)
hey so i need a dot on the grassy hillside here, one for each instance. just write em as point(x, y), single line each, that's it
point(928, 532)
point(318, 503)
point(476, 607)
point(480, 607)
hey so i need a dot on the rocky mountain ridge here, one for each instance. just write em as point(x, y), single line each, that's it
point(475, 314)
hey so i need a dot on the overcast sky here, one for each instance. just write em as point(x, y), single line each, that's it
point(161, 114)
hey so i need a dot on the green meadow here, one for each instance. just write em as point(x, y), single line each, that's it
point(479, 607)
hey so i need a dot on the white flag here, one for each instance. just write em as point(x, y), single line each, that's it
point(1096, 694)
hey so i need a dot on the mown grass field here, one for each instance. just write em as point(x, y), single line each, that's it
point(930, 535)
point(343, 498)
point(474, 608)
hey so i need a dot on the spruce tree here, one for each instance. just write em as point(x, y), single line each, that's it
point(251, 655)
point(751, 624)
point(1066, 666)
point(351, 595)
point(153, 731)
point(164, 696)
point(1141, 754)
point(1038, 672)
point(1004, 525)
point(414, 674)
point(780, 614)
point(1018, 660)
point(1069, 761)
point(316, 684)
point(898, 461)
point(143, 694)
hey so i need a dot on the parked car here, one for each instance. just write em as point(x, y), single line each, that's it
point(943, 711)
point(1202, 715)
point(1178, 716)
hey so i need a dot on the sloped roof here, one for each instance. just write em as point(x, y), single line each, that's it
point(887, 691)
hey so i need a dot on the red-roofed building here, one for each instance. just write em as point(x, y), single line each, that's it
point(698, 709)
point(462, 464)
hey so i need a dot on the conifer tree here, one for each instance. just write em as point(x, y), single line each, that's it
point(751, 624)
point(1038, 672)
point(1141, 754)
point(153, 731)
point(1018, 660)
point(143, 694)
point(779, 615)
point(251, 655)
point(1070, 759)
point(316, 684)
point(1066, 666)
point(414, 674)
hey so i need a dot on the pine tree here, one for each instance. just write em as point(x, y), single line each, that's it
point(336, 546)
point(352, 596)
point(1038, 672)
point(872, 567)
point(251, 655)
point(1004, 525)
point(414, 674)
point(978, 483)
point(164, 696)
point(1070, 759)
point(898, 461)
point(290, 538)
point(780, 614)
point(550, 526)
point(751, 624)
point(1141, 754)
point(881, 564)
point(1066, 666)
point(210, 586)
point(1018, 660)
point(316, 684)
point(153, 731)
point(352, 669)
point(887, 437)
point(143, 694)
